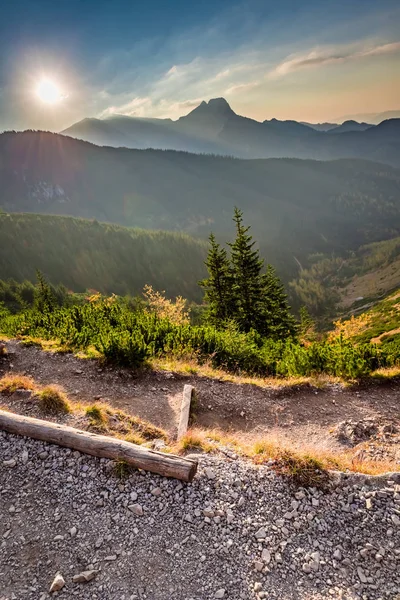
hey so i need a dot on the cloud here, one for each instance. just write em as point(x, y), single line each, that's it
point(136, 107)
point(242, 87)
point(183, 86)
point(148, 107)
point(245, 76)
point(328, 56)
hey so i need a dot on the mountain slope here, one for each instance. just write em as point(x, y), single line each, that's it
point(213, 127)
point(85, 254)
point(350, 126)
point(320, 126)
point(373, 118)
point(379, 324)
point(295, 207)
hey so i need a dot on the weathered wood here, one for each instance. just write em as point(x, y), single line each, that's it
point(185, 410)
point(103, 446)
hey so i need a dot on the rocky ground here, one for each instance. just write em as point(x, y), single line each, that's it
point(237, 532)
point(290, 414)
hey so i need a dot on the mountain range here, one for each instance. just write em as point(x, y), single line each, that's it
point(214, 128)
point(297, 208)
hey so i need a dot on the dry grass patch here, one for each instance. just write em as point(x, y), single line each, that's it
point(264, 449)
point(134, 438)
point(96, 414)
point(11, 383)
point(89, 353)
point(192, 441)
point(385, 374)
point(192, 368)
point(46, 345)
point(302, 470)
point(53, 400)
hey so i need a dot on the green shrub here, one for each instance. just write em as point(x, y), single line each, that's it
point(129, 337)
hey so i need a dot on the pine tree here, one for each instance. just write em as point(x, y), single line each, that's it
point(277, 320)
point(238, 289)
point(45, 300)
point(306, 326)
point(218, 286)
point(247, 280)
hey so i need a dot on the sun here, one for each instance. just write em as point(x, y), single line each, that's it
point(48, 91)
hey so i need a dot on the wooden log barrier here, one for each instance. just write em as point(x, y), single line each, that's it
point(103, 446)
point(185, 410)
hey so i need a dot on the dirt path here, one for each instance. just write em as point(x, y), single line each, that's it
point(291, 413)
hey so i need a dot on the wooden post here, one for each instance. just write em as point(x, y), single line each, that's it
point(167, 465)
point(185, 410)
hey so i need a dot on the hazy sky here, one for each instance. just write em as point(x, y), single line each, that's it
point(289, 59)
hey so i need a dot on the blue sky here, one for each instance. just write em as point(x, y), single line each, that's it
point(314, 60)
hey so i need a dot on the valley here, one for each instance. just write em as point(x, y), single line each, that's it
point(299, 210)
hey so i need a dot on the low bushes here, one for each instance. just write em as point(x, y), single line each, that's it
point(129, 338)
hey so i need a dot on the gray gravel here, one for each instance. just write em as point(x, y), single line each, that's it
point(236, 532)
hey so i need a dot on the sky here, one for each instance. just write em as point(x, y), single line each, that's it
point(314, 60)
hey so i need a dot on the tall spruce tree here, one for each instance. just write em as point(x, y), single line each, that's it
point(218, 286)
point(239, 290)
point(277, 321)
point(248, 286)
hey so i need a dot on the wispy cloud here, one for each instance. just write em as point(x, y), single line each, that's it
point(328, 56)
point(182, 86)
point(243, 77)
point(149, 107)
point(242, 87)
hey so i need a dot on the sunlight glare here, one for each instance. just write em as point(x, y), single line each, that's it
point(48, 92)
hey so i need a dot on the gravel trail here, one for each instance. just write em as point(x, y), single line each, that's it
point(237, 532)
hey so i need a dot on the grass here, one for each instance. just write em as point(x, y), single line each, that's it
point(262, 449)
point(192, 441)
point(122, 469)
point(135, 438)
point(302, 470)
point(11, 383)
point(52, 400)
point(96, 414)
point(191, 368)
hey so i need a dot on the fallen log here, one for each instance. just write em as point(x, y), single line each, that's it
point(185, 410)
point(103, 446)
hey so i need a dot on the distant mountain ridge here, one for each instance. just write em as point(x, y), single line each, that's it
point(214, 128)
point(351, 125)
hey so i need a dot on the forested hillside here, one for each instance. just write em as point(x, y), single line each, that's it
point(296, 208)
point(108, 258)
